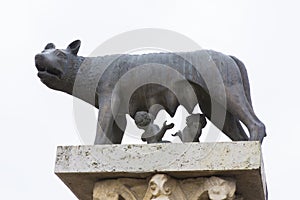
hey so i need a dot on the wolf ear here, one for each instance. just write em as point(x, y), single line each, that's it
point(74, 47)
point(50, 46)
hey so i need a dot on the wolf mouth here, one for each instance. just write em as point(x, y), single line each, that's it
point(50, 71)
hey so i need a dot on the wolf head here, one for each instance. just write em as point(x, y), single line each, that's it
point(57, 68)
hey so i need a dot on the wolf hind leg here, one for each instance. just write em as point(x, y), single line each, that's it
point(243, 111)
point(233, 128)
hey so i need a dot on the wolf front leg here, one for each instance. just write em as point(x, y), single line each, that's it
point(108, 130)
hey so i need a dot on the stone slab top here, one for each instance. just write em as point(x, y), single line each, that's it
point(80, 167)
point(141, 158)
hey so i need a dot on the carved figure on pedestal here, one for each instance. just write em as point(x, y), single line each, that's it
point(164, 187)
point(193, 130)
point(157, 190)
point(152, 134)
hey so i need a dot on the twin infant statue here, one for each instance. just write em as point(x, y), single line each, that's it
point(153, 134)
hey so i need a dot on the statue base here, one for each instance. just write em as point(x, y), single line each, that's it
point(231, 170)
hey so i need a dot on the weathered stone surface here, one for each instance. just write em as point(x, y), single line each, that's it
point(164, 187)
point(80, 167)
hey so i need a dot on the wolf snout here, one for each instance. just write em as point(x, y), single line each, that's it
point(38, 62)
point(45, 66)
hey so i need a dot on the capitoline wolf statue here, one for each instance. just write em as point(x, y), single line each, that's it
point(126, 84)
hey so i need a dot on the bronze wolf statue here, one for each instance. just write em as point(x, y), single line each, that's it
point(101, 81)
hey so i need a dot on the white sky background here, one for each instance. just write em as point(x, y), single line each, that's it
point(35, 119)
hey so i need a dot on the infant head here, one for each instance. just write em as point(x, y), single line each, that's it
point(142, 118)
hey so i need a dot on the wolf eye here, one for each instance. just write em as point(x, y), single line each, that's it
point(60, 54)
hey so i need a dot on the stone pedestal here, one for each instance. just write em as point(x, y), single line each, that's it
point(204, 171)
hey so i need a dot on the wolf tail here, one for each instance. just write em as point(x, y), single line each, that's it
point(245, 78)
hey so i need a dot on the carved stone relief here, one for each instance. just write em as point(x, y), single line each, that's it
point(164, 187)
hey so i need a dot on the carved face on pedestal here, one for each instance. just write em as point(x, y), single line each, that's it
point(220, 189)
point(158, 188)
